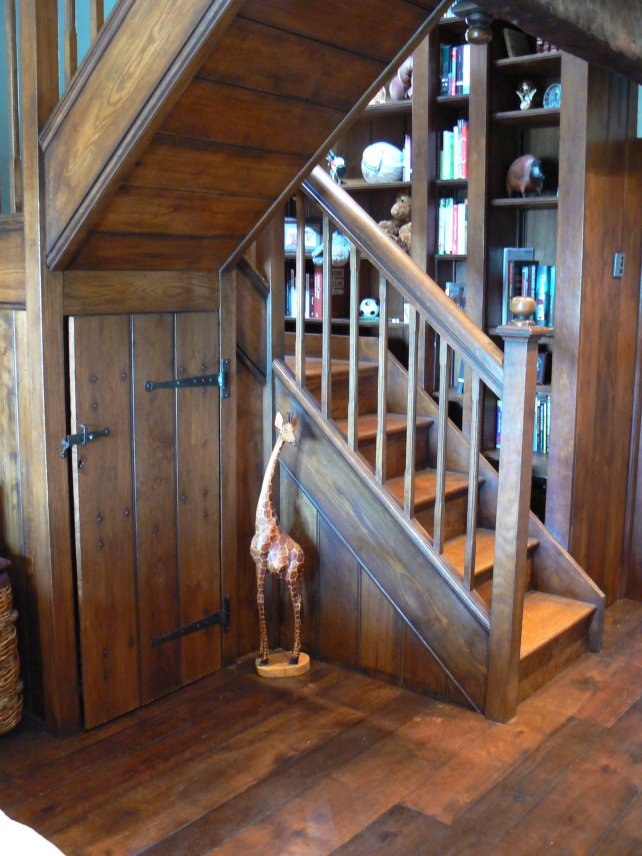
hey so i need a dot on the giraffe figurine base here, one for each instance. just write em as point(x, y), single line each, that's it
point(279, 665)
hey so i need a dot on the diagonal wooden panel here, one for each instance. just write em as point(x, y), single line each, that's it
point(197, 420)
point(12, 261)
point(155, 464)
point(228, 114)
point(269, 59)
point(178, 163)
point(110, 251)
point(103, 492)
point(375, 28)
point(143, 210)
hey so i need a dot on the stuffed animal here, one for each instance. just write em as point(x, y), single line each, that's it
point(405, 236)
point(401, 85)
point(525, 174)
point(401, 213)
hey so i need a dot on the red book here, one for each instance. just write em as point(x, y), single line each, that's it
point(317, 306)
point(464, 150)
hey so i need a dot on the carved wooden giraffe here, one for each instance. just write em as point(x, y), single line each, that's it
point(272, 549)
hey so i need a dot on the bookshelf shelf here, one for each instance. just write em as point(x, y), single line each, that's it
point(452, 183)
point(456, 101)
point(538, 117)
point(359, 185)
point(450, 257)
point(545, 64)
point(389, 108)
point(529, 203)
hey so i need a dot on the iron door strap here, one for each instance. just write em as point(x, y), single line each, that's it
point(81, 439)
point(221, 617)
point(219, 380)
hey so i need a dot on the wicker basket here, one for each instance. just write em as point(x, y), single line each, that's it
point(10, 684)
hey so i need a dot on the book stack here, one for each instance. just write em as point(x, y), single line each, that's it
point(453, 156)
point(524, 276)
point(541, 423)
point(313, 308)
point(452, 225)
point(455, 70)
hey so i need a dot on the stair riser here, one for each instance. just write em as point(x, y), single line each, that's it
point(541, 666)
point(454, 517)
point(340, 394)
point(396, 451)
point(484, 582)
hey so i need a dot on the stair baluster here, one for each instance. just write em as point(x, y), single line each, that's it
point(70, 41)
point(326, 326)
point(411, 411)
point(299, 353)
point(97, 17)
point(382, 385)
point(353, 391)
point(473, 479)
point(445, 363)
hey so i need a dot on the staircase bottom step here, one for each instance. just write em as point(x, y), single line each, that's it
point(554, 633)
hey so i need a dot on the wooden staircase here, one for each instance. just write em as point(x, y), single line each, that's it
point(554, 628)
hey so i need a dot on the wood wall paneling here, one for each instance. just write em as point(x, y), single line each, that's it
point(339, 599)
point(380, 632)
point(103, 489)
point(197, 420)
point(299, 518)
point(105, 292)
point(115, 252)
point(110, 112)
point(12, 262)
point(156, 517)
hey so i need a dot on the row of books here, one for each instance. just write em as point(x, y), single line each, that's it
point(453, 155)
point(455, 70)
point(524, 276)
point(313, 307)
point(541, 423)
point(452, 227)
point(542, 46)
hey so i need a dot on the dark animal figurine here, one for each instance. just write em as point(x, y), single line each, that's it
point(525, 174)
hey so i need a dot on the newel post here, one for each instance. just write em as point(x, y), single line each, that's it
point(513, 504)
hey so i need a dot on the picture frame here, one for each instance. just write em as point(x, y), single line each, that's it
point(312, 237)
point(517, 43)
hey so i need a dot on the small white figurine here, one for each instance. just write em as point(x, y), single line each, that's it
point(526, 93)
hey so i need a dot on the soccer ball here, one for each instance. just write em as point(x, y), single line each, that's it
point(382, 162)
point(369, 308)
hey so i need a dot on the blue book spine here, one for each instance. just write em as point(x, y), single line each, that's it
point(541, 294)
point(551, 297)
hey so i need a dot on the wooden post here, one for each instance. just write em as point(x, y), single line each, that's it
point(48, 475)
point(15, 165)
point(511, 528)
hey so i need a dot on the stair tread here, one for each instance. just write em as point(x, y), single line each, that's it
point(339, 368)
point(455, 551)
point(426, 486)
point(396, 423)
point(546, 616)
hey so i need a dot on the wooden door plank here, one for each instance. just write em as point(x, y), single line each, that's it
point(142, 210)
point(103, 491)
point(218, 112)
point(197, 420)
point(181, 163)
point(269, 59)
point(339, 599)
point(155, 473)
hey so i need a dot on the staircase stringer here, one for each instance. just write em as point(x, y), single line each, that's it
point(450, 621)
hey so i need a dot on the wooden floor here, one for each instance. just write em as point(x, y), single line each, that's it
point(337, 762)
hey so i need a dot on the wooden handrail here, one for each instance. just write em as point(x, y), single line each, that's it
point(445, 317)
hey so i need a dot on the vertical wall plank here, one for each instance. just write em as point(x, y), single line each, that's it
point(155, 478)
point(15, 165)
point(299, 518)
point(421, 671)
point(380, 632)
point(48, 487)
point(197, 420)
point(229, 434)
point(103, 488)
point(339, 599)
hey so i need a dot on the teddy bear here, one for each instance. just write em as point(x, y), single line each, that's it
point(400, 86)
point(401, 213)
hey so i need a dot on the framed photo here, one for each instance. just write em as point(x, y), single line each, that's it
point(312, 236)
point(517, 43)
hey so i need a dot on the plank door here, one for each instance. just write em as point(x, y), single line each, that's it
point(146, 506)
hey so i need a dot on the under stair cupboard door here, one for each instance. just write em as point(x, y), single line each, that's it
point(146, 506)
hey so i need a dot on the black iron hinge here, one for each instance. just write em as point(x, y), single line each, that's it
point(221, 617)
point(219, 380)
